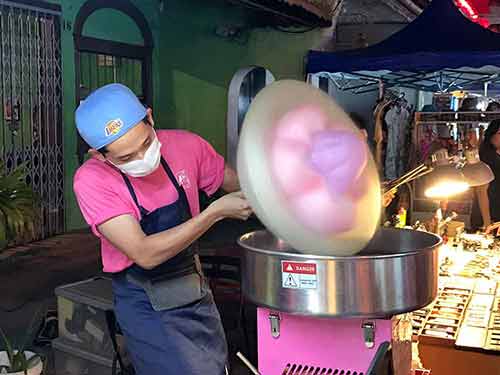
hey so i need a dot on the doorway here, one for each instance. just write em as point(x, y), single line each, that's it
point(102, 61)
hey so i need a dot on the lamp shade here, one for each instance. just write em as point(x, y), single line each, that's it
point(476, 172)
point(445, 180)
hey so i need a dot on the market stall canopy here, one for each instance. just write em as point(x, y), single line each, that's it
point(428, 53)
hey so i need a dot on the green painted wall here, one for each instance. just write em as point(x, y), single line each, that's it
point(197, 65)
point(192, 67)
point(113, 25)
point(117, 28)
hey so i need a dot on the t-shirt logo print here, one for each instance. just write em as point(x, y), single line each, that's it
point(113, 127)
point(183, 179)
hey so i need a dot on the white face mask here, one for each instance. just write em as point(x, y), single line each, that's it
point(143, 167)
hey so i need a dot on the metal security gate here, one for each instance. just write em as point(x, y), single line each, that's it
point(101, 61)
point(31, 105)
point(97, 70)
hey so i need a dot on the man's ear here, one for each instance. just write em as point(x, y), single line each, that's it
point(149, 115)
point(96, 154)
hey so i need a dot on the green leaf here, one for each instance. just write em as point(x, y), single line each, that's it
point(37, 317)
point(19, 362)
point(19, 205)
point(8, 347)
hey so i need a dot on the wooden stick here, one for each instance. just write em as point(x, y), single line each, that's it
point(248, 364)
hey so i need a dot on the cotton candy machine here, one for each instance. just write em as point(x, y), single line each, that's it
point(326, 280)
point(320, 314)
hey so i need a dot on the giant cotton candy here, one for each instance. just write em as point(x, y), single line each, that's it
point(307, 171)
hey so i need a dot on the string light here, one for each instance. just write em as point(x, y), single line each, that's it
point(471, 12)
point(469, 9)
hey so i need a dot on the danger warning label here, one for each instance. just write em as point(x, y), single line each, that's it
point(299, 275)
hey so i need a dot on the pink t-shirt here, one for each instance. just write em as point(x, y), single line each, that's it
point(103, 195)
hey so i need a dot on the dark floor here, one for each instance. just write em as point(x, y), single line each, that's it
point(29, 275)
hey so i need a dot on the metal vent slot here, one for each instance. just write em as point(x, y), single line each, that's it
point(496, 304)
point(296, 369)
point(495, 321)
point(493, 340)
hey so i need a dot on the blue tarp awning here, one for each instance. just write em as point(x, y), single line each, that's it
point(440, 38)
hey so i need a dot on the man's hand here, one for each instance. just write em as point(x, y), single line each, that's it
point(233, 206)
point(495, 226)
point(387, 198)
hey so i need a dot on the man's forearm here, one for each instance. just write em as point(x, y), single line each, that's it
point(162, 246)
point(125, 233)
point(484, 204)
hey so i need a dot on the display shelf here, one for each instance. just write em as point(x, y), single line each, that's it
point(466, 313)
point(455, 117)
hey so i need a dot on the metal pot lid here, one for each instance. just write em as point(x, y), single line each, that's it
point(307, 170)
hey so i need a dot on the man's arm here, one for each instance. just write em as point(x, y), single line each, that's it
point(231, 182)
point(125, 233)
point(484, 204)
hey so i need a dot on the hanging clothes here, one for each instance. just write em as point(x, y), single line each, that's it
point(405, 142)
point(378, 136)
point(397, 119)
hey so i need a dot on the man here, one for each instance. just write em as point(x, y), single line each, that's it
point(387, 196)
point(139, 193)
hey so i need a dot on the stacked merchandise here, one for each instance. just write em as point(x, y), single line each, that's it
point(466, 314)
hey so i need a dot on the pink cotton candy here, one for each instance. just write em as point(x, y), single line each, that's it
point(290, 163)
point(319, 211)
point(317, 165)
point(340, 156)
point(300, 124)
point(293, 190)
point(360, 188)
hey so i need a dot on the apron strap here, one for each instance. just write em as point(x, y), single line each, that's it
point(131, 190)
point(180, 190)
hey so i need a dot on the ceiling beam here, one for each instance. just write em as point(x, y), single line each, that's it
point(398, 7)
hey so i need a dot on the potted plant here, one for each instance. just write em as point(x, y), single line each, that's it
point(18, 205)
point(20, 361)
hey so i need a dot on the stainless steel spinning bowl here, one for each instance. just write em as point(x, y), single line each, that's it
point(397, 272)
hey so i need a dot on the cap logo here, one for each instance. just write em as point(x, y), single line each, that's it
point(113, 127)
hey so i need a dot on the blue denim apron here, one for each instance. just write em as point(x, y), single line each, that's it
point(167, 314)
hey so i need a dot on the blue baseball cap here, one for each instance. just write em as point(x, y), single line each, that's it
point(107, 114)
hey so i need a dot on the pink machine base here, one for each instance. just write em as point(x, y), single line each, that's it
point(318, 343)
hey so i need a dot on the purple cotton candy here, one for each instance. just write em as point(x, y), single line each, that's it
point(340, 156)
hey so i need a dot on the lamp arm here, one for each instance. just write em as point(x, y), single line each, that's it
point(414, 174)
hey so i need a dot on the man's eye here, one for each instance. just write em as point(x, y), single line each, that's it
point(125, 159)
